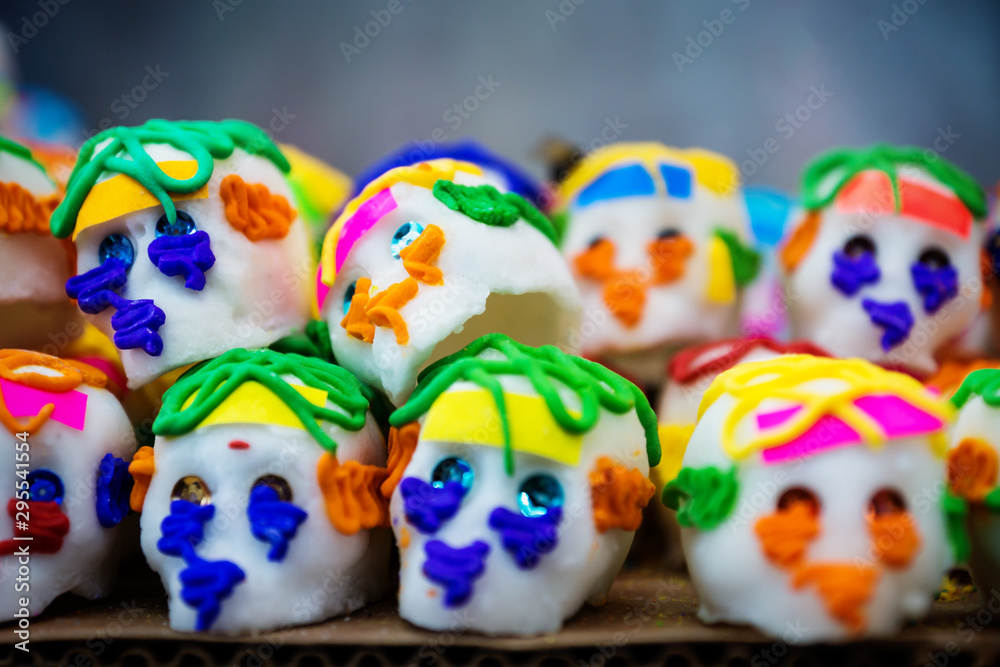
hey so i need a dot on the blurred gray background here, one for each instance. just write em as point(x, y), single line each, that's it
point(769, 83)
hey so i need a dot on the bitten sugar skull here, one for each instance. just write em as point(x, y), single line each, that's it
point(429, 257)
point(656, 238)
point(260, 499)
point(810, 495)
point(885, 263)
point(187, 242)
point(64, 456)
point(34, 266)
point(520, 498)
point(972, 476)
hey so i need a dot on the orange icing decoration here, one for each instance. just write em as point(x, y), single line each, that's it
point(845, 589)
point(383, 308)
point(351, 494)
point(420, 256)
point(795, 250)
point(619, 495)
point(402, 443)
point(895, 538)
point(71, 375)
point(254, 211)
point(986, 273)
point(141, 468)
point(952, 373)
point(785, 534)
point(669, 257)
point(356, 322)
point(972, 469)
point(21, 212)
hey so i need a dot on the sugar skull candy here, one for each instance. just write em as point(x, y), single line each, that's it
point(522, 475)
point(498, 171)
point(810, 497)
point(657, 239)
point(34, 266)
point(428, 258)
point(885, 262)
point(65, 454)
point(187, 242)
point(974, 498)
point(260, 499)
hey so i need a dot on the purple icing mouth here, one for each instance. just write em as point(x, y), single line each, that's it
point(189, 256)
point(455, 569)
point(895, 319)
point(427, 507)
point(526, 538)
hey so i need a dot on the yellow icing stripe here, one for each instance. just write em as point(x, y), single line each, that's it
point(253, 403)
point(423, 174)
point(122, 194)
point(721, 285)
point(471, 417)
point(674, 440)
point(715, 172)
point(820, 387)
point(326, 187)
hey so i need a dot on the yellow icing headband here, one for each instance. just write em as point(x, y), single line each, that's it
point(253, 403)
point(714, 171)
point(122, 194)
point(866, 404)
point(471, 418)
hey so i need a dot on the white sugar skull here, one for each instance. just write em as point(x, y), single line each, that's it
point(885, 262)
point(520, 499)
point(187, 241)
point(260, 499)
point(811, 497)
point(974, 451)
point(65, 451)
point(34, 266)
point(656, 238)
point(429, 257)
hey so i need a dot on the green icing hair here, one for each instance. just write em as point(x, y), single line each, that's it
point(843, 164)
point(595, 386)
point(205, 141)
point(211, 382)
point(20, 150)
point(984, 383)
point(702, 497)
point(746, 260)
point(486, 204)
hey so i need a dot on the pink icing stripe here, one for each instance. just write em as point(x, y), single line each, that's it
point(363, 219)
point(899, 419)
point(772, 419)
point(70, 406)
point(828, 432)
point(107, 368)
point(322, 290)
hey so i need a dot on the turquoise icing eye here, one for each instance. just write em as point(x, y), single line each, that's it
point(348, 295)
point(539, 494)
point(404, 236)
point(452, 469)
point(117, 246)
point(45, 486)
point(182, 226)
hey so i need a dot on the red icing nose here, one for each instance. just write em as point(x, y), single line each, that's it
point(43, 521)
point(239, 444)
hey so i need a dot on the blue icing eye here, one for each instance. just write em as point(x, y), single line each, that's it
point(45, 486)
point(116, 246)
point(182, 226)
point(348, 295)
point(404, 236)
point(452, 469)
point(539, 494)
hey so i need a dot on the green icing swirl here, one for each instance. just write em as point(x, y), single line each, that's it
point(702, 497)
point(205, 141)
point(211, 382)
point(593, 384)
point(843, 164)
point(486, 204)
point(984, 383)
point(746, 260)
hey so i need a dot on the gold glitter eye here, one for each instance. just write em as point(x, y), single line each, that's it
point(277, 483)
point(192, 489)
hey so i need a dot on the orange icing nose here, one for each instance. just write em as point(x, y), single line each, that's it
point(785, 534)
point(844, 588)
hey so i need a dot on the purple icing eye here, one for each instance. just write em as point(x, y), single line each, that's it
point(854, 266)
point(935, 278)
